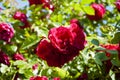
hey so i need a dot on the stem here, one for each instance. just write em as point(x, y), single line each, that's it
point(14, 75)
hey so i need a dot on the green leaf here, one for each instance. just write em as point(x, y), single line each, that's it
point(95, 42)
point(115, 62)
point(98, 61)
point(99, 57)
point(13, 48)
point(116, 38)
point(46, 72)
point(112, 51)
point(30, 41)
point(20, 62)
point(100, 48)
point(28, 73)
point(60, 73)
point(87, 1)
point(88, 10)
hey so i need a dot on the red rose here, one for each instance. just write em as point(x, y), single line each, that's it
point(6, 32)
point(78, 36)
point(60, 38)
point(108, 63)
point(56, 78)
point(76, 21)
point(117, 3)
point(47, 52)
point(64, 45)
point(4, 58)
point(64, 38)
point(110, 47)
point(37, 2)
point(18, 57)
point(45, 3)
point(22, 17)
point(39, 78)
point(99, 12)
point(31, 2)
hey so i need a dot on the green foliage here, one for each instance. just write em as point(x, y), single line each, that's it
point(116, 38)
point(90, 60)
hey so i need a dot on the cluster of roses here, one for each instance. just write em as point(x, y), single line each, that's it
point(44, 3)
point(7, 33)
point(5, 59)
point(98, 8)
point(65, 43)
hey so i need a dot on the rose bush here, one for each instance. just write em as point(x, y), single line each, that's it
point(59, 40)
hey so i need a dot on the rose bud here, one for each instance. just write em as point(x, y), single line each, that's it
point(39, 78)
point(35, 66)
point(22, 17)
point(17, 56)
point(99, 12)
point(117, 3)
point(4, 58)
point(6, 32)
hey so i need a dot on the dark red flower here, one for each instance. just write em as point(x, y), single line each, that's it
point(17, 56)
point(64, 38)
point(45, 3)
point(108, 63)
point(118, 51)
point(39, 78)
point(75, 21)
point(60, 38)
point(56, 78)
point(78, 36)
point(22, 17)
point(110, 47)
point(99, 12)
point(117, 3)
point(6, 32)
point(4, 58)
point(36, 2)
point(64, 45)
